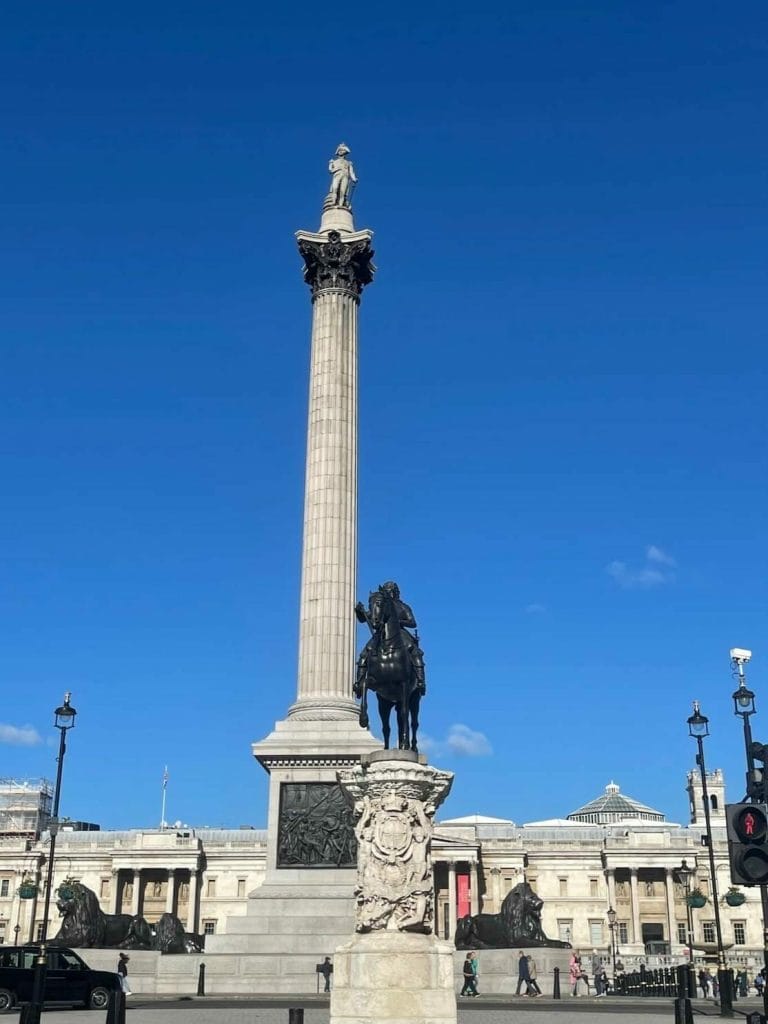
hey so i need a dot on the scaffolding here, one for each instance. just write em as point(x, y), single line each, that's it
point(25, 807)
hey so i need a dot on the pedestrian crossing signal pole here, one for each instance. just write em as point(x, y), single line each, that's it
point(757, 782)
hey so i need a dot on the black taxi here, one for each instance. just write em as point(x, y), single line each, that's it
point(69, 979)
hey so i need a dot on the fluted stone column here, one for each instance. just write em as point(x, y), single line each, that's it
point(192, 904)
point(636, 933)
point(669, 892)
point(452, 898)
point(170, 893)
point(337, 268)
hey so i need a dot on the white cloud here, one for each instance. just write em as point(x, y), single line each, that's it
point(655, 571)
point(461, 740)
point(19, 736)
point(654, 554)
point(535, 608)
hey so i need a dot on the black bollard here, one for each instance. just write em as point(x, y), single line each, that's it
point(556, 984)
point(116, 1007)
point(201, 980)
point(295, 1015)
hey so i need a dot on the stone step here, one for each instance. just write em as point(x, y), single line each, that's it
point(269, 924)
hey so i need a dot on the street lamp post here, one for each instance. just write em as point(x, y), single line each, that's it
point(611, 915)
point(744, 708)
point(698, 728)
point(64, 719)
point(684, 873)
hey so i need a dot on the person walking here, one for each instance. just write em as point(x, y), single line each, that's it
point(523, 975)
point(575, 972)
point(704, 983)
point(122, 970)
point(468, 988)
point(326, 969)
point(533, 984)
point(473, 958)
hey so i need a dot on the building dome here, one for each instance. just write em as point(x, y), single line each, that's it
point(612, 807)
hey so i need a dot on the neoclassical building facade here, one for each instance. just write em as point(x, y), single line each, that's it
point(614, 852)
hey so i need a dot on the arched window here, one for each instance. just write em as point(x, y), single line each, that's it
point(713, 801)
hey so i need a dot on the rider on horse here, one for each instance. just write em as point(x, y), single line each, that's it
point(405, 618)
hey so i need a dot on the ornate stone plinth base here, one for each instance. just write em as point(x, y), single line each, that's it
point(391, 977)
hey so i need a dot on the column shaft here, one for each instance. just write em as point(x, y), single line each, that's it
point(170, 894)
point(452, 898)
point(136, 894)
point(669, 890)
point(635, 906)
point(192, 904)
point(329, 562)
point(474, 888)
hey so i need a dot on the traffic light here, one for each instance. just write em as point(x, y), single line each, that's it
point(748, 843)
point(756, 779)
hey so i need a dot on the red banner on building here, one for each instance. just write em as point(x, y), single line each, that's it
point(462, 895)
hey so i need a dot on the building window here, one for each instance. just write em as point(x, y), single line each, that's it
point(241, 887)
point(209, 927)
point(593, 891)
point(210, 889)
point(563, 884)
point(704, 886)
point(623, 933)
point(532, 883)
point(595, 933)
point(682, 937)
point(4, 886)
point(709, 931)
point(564, 930)
point(713, 802)
point(739, 933)
point(649, 889)
point(38, 931)
point(104, 888)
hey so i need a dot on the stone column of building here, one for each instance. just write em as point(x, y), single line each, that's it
point(636, 932)
point(135, 893)
point(171, 893)
point(496, 889)
point(452, 898)
point(338, 265)
point(474, 888)
point(114, 887)
point(610, 876)
point(192, 903)
point(669, 891)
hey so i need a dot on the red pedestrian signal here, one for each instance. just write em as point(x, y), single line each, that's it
point(748, 843)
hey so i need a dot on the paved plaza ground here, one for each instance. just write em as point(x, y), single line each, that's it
point(489, 1011)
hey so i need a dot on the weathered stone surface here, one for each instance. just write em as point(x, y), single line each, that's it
point(392, 976)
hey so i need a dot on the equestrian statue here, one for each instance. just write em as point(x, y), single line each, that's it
point(391, 665)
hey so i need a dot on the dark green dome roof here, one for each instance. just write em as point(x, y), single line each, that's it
point(613, 806)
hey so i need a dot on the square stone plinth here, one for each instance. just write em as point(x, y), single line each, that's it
point(390, 977)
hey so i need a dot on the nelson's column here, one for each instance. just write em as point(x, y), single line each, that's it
point(305, 906)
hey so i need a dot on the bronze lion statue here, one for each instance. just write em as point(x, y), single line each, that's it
point(85, 925)
point(517, 924)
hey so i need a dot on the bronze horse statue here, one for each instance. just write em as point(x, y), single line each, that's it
point(391, 666)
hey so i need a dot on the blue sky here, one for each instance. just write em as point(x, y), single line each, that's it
point(563, 370)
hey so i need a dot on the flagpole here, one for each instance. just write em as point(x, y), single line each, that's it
point(165, 786)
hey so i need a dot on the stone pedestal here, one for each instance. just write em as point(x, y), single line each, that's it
point(390, 977)
point(394, 970)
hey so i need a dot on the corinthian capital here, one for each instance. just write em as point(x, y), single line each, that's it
point(336, 265)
